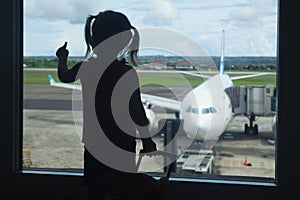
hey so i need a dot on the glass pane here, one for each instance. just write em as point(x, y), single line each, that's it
point(207, 71)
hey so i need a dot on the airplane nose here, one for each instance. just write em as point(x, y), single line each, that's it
point(201, 133)
point(203, 128)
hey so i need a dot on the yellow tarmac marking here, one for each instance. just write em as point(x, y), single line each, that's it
point(240, 163)
point(26, 157)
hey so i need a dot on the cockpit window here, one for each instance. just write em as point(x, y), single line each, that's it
point(195, 110)
point(205, 110)
point(190, 109)
point(209, 110)
point(212, 110)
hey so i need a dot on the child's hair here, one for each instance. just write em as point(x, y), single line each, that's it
point(106, 24)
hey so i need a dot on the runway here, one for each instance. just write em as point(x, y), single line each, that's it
point(42, 96)
point(49, 132)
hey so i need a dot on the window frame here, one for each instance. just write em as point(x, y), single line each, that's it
point(15, 184)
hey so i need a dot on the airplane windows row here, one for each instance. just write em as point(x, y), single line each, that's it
point(245, 30)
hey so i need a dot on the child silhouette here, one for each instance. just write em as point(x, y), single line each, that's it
point(110, 106)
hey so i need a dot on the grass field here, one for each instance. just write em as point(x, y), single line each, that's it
point(155, 78)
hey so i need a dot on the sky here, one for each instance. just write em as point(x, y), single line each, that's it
point(250, 25)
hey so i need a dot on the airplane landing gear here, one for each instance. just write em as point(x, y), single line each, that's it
point(249, 128)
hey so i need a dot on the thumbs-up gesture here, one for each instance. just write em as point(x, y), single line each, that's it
point(62, 52)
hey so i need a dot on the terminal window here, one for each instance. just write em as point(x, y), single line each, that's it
point(211, 91)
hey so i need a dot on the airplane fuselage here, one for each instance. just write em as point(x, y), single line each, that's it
point(206, 110)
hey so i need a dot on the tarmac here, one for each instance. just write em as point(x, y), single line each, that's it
point(239, 154)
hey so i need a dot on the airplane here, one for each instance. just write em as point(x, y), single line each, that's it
point(205, 111)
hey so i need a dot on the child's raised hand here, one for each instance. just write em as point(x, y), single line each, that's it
point(62, 52)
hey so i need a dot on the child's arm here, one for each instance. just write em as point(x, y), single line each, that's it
point(138, 114)
point(64, 74)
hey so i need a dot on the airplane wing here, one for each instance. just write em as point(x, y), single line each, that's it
point(164, 102)
point(193, 74)
point(146, 98)
point(232, 78)
point(249, 76)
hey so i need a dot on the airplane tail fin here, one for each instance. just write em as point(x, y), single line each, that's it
point(51, 80)
point(222, 66)
point(63, 85)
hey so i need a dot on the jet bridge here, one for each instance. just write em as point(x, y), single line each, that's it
point(252, 101)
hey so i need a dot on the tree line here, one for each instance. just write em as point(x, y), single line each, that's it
point(231, 63)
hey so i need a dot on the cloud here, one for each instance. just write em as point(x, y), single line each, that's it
point(73, 11)
point(262, 45)
point(243, 14)
point(253, 14)
point(161, 13)
point(250, 25)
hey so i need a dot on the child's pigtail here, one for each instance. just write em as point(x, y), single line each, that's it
point(88, 35)
point(134, 47)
